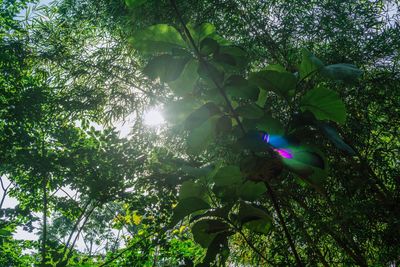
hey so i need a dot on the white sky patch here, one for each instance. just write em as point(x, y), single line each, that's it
point(153, 117)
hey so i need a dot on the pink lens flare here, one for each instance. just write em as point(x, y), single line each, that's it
point(284, 153)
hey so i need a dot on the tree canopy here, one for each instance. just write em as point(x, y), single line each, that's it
point(279, 144)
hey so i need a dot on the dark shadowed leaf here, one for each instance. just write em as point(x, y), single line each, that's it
point(187, 206)
point(208, 46)
point(254, 218)
point(250, 111)
point(165, 67)
point(204, 231)
point(238, 87)
point(334, 136)
point(341, 72)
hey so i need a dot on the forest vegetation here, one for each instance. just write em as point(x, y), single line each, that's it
point(200, 133)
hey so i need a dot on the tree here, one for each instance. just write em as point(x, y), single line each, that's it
point(280, 147)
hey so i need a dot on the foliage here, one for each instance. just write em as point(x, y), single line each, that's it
point(280, 145)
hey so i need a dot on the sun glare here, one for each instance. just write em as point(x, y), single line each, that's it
point(153, 117)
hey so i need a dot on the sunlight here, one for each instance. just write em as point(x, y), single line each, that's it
point(153, 117)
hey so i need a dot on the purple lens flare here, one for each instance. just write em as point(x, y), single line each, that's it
point(284, 153)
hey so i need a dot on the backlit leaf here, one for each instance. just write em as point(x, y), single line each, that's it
point(227, 175)
point(278, 82)
point(309, 64)
point(325, 104)
point(187, 206)
point(157, 38)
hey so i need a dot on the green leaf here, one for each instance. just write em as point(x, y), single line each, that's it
point(134, 3)
point(165, 67)
point(325, 104)
point(251, 191)
point(224, 125)
point(253, 141)
point(270, 125)
point(255, 219)
point(278, 82)
point(228, 175)
point(200, 137)
point(219, 245)
point(187, 80)
point(309, 64)
point(187, 206)
point(178, 111)
point(334, 136)
point(250, 111)
point(226, 193)
point(341, 72)
point(200, 115)
point(262, 98)
point(199, 33)
point(211, 73)
point(158, 38)
point(197, 172)
point(191, 189)
point(232, 55)
point(204, 231)
point(238, 87)
point(276, 67)
point(208, 46)
point(306, 161)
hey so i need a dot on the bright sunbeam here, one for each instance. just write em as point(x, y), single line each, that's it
point(153, 117)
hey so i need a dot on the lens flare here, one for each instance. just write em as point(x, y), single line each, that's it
point(284, 153)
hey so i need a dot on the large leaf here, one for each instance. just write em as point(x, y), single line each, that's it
point(157, 38)
point(219, 245)
point(251, 191)
point(232, 57)
point(334, 136)
point(341, 72)
point(178, 111)
point(270, 125)
point(187, 206)
point(250, 111)
point(165, 67)
point(200, 137)
point(187, 80)
point(191, 189)
point(209, 46)
point(238, 87)
point(204, 231)
point(200, 32)
point(325, 104)
point(228, 175)
point(200, 115)
point(309, 64)
point(253, 141)
point(307, 162)
point(254, 218)
point(276, 81)
point(197, 172)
